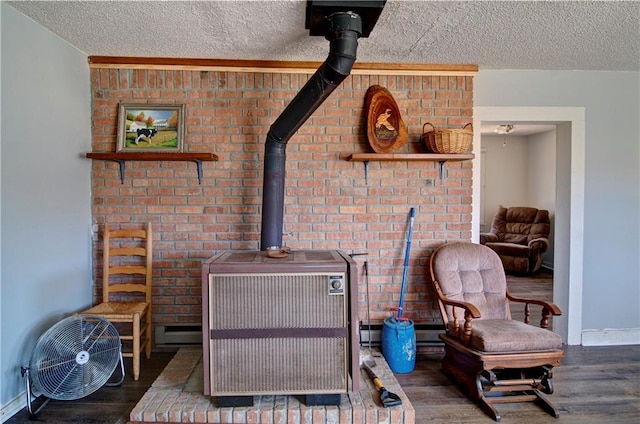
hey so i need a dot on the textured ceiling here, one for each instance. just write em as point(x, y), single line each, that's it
point(579, 35)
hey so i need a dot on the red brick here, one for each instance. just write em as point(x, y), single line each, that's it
point(328, 204)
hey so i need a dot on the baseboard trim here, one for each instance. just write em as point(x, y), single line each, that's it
point(13, 407)
point(611, 337)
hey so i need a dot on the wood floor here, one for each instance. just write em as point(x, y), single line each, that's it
point(536, 286)
point(109, 405)
point(593, 385)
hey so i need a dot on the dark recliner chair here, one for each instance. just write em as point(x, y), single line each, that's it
point(519, 235)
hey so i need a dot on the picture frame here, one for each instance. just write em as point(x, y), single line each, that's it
point(150, 127)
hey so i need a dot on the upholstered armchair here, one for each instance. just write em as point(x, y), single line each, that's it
point(494, 358)
point(519, 235)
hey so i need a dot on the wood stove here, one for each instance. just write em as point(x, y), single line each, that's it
point(280, 326)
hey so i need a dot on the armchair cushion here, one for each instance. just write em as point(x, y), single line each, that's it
point(475, 276)
point(497, 335)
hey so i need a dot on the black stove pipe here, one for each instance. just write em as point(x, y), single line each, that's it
point(344, 30)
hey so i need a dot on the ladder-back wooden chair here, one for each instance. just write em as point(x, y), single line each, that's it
point(494, 358)
point(126, 288)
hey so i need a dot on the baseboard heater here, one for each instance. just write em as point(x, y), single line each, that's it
point(426, 335)
point(178, 335)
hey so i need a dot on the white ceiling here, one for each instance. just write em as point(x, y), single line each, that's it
point(552, 35)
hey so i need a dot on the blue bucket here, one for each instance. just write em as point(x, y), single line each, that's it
point(399, 345)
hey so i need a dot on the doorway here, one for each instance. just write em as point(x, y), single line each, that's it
point(569, 223)
point(519, 169)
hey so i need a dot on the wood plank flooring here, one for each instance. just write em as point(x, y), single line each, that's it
point(593, 385)
point(108, 405)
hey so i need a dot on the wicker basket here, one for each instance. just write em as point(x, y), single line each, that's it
point(448, 141)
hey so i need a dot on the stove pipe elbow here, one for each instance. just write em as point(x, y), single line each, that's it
point(344, 30)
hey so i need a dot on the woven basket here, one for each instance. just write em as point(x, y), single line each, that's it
point(447, 141)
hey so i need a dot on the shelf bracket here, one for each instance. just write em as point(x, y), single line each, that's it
point(441, 170)
point(366, 172)
point(121, 166)
point(199, 168)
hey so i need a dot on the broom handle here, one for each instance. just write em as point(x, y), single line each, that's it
point(412, 214)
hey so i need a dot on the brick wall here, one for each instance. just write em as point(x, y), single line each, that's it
point(328, 204)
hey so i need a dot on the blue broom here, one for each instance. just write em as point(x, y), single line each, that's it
point(412, 214)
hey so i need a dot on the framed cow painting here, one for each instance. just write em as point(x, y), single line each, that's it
point(149, 127)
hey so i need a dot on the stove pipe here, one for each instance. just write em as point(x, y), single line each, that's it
point(344, 29)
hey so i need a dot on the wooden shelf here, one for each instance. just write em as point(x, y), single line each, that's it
point(152, 156)
point(406, 157)
point(385, 157)
point(121, 157)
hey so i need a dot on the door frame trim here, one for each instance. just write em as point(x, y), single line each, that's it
point(570, 166)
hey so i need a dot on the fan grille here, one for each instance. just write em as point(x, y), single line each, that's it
point(75, 357)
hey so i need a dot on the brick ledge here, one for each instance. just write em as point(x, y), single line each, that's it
point(174, 398)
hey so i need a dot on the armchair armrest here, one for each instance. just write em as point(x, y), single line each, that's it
point(540, 244)
point(548, 308)
point(470, 312)
point(469, 308)
point(488, 238)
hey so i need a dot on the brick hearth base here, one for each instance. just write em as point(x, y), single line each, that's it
point(177, 397)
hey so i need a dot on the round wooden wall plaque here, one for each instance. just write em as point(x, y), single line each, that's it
point(385, 129)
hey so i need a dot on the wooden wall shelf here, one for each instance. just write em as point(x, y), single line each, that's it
point(122, 157)
point(406, 157)
point(385, 157)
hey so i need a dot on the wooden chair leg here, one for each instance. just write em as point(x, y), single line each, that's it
point(149, 340)
point(488, 408)
point(136, 346)
point(546, 404)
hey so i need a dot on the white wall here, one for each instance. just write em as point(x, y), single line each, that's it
point(45, 192)
point(611, 271)
point(541, 187)
point(505, 174)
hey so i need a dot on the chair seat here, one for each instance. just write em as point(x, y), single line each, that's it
point(502, 336)
point(510, 249)
point(118, 310)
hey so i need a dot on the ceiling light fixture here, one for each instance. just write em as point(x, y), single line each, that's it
point(504, 129)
